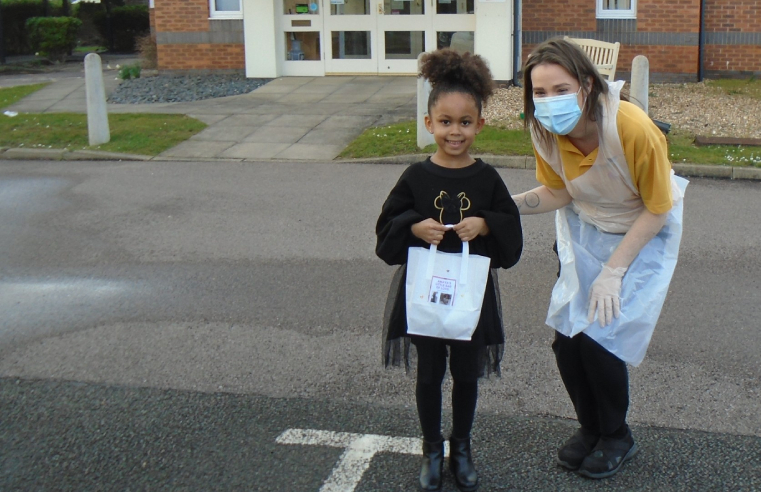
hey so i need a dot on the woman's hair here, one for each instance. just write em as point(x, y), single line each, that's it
point(572, 58)
point(449, 71)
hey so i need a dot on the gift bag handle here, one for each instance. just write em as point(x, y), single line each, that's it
point(463, 262)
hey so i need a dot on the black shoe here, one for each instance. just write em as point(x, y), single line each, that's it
point(608, 456)
point(576, 448)
point(461, 464)
point(433, 465)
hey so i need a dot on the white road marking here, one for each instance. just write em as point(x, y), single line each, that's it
point(360, 449)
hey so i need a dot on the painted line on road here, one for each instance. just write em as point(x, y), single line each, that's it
point(359, 451)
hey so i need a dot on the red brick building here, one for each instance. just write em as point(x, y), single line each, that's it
point(683, 40)
point(678, 42)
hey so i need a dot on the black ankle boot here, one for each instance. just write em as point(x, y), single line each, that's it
point(461, 464)
point(433, 463)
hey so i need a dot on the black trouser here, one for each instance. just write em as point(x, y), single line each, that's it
point(597, 382)
point(432, 366)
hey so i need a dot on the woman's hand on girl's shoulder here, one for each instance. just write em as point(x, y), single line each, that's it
point(429, 230)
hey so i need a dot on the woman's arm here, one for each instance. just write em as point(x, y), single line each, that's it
point(606, 289)
point(542, 199)
point(641, 232)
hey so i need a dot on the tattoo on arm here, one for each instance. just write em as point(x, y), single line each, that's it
point(530, 200)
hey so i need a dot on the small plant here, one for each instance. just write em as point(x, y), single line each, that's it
point(53, 37)
point(130, 72)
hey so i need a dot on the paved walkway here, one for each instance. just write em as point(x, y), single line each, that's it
point(289, 118)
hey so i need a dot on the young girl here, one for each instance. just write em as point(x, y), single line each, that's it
point(617, 242)
point(450, 187)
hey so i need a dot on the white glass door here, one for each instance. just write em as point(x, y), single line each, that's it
point(350, 36)
point(403, 26)
point(454, 25)
point(301, 43)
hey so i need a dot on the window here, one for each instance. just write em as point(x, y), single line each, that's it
point(616, 9)
point(225, 9)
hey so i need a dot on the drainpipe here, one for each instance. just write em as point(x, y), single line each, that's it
point(702, 42)
point(517, 41)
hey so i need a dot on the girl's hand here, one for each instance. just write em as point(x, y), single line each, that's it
point(429, 231)
point(470, 228)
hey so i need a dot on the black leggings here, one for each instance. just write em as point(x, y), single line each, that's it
point(432, 366)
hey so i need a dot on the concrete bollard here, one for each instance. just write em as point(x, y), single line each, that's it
point(640, 81)
point(424, 138)
point(97, 116)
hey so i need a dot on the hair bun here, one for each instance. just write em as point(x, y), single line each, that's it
point(448, 68)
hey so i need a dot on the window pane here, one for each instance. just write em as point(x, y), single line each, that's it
point(302, 46)
point(350, 7)
point(404, 45)
point(455, 7)
point(616, 4)
point(403, 7)
point(351, 45)
point(227, 5)
point(460, 41)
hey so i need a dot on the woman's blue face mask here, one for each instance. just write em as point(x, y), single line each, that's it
point(558, 114)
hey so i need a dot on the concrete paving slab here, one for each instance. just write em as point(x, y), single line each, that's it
point(320, 108)
point(331, 136)
point(197, 149)
point(254, 151)
point(303, 98)
point(301, 151)
point(332, 80)
point(210, 119)
point(252, 120)
point(223, 134)
point(317, 89)
point(277, 134)
point(347, 98)
point(391, 100)
point(298, 120)
point(340, 121)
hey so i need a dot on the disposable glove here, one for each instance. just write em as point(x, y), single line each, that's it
point(604, 295)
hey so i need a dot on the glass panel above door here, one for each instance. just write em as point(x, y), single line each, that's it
point(351, 45)
point(349, 7)
point(294, 7)
point(404, 7)
point(404, 45)
point(455, 7)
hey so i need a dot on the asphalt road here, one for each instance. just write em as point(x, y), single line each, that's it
point(165, 323)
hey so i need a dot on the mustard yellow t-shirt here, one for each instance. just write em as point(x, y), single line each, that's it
point(646, 154)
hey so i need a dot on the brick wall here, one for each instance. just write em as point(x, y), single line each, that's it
point(733, 31)
point(665, 31)
point(188, 40)
point(202, 56)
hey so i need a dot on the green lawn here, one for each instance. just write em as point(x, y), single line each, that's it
point(400, 139)
point(147, 134)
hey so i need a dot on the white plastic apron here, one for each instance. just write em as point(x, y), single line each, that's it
point(605, 204)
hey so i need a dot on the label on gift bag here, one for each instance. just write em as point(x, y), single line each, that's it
point(442, 291)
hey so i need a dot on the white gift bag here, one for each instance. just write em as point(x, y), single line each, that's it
point(445, 292)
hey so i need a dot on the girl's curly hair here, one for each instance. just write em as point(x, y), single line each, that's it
point(449, 71)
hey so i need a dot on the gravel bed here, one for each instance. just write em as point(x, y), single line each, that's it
point(695, 108)
point(165, 88)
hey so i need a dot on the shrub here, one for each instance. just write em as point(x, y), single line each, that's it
point(126, 23)
point(15, 15)
point(53, 37)
point(146, 46)
point(130, 72)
